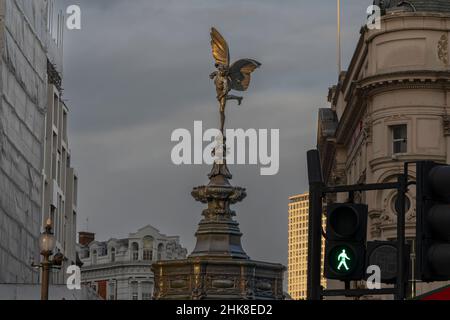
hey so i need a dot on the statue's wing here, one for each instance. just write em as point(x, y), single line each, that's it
point(240, 73)
point(220, 49)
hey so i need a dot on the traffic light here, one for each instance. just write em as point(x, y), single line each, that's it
point(384, 255)
point(433, 222)
point(346, 234)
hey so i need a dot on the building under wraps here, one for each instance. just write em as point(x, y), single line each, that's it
point(36, 180)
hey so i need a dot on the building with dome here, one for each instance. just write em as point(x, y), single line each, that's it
point(391, 105)
point(413, 5)
point(120, 269)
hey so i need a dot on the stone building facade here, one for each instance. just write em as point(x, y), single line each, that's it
point(60, 179)
point(120, 269)
point(392, 105)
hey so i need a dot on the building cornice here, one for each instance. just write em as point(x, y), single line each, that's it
point(410, 78)
point(116, 265)
point(409, 16)
point(369, 86)
point(386, 162)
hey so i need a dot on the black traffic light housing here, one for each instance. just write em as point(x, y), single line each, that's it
point(346, 235)
point(384, 255)
point(433, 222)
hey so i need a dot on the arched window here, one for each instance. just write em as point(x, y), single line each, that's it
point(169, 251)
point(160, 251)
point(113, 254)
point(134, 251)
point(94, 257)
point(148, 248)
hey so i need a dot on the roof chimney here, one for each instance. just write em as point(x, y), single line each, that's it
point(85, 238)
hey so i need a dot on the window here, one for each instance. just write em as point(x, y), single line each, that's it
point(112, 290)
point(64, 125)
point(134, 291)
point(396, 205)
point(58, 169)
point(94, 257)
point(148, 248)
point(75, 188)
point(55, 110)
point(113, 254)
point(400, 138)
point(160, 251)
point(134, 251)
point(146, 291)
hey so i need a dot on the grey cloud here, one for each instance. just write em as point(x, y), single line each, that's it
point(139, 69)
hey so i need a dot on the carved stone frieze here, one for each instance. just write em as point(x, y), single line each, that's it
point(443, 49)
point(446, 121)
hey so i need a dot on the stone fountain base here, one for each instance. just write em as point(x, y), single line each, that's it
point(218, 268)
point(218, 279)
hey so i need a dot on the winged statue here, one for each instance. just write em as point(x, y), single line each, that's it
point(229, 76)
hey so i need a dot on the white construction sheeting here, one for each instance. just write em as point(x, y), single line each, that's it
point(23, 89)
point(33, 292)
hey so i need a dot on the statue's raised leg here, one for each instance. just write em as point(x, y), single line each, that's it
point(238, 99)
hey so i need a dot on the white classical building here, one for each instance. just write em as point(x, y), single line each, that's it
point(120, 269)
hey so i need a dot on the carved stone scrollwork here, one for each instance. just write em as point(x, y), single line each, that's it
point(363, 177)
point(386, 218)
point(338, 177)
point(206, 194)
point(411, 215)
point(218, 213)
point(397, 117)
point(367, 129)
point(446, 120)
point(443, 49)
point(375, 223)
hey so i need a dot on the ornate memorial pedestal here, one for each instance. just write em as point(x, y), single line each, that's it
point(218, 268)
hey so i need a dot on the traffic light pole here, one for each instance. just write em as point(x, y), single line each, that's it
point(315, 225)
point(318, 191)
point(401, 274)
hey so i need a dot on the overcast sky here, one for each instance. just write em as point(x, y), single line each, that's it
point(139, 69)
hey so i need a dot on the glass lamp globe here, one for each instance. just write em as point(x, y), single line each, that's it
point(47, 240)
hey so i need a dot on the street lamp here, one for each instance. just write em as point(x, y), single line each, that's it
point(47, 244)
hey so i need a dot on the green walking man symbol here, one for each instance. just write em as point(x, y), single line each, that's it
point(342, 258)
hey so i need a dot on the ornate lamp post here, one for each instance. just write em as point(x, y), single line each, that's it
point(47, 244)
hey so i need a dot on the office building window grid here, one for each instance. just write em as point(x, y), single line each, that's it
point(298, 246)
